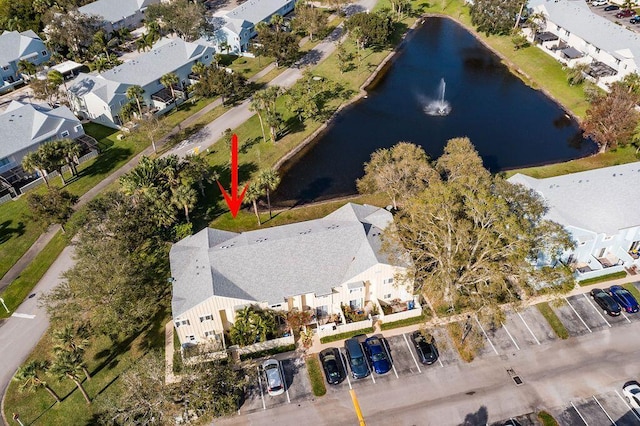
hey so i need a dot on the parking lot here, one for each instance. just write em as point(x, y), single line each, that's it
point(611, 15)
point(523, 329)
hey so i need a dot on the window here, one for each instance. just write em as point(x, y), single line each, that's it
point(78, 128)
point(601, 254)
point(182, 322)
point(44, 53)
point(322, 311)
point(206, 56)
point(210, 333)
point(206, 318)
point(597, 50)
point(64, 134)
point(278, 306)
point(387, 296)
point(567, 33)
point(388, 281)
point(355, 303)
point(6, 68)
point(191, 338)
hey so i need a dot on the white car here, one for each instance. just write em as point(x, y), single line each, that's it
point(631, 391)
point(273, 376)
point(599, 2)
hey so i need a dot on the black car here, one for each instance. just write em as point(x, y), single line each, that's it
point(611, 7)
point(427, 351)
point(332, 366)
point(606, 302)
point(635, 20)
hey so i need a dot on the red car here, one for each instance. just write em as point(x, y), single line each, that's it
point(625, 13)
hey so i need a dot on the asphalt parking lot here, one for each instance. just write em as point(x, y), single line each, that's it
point(604, 409)
point(611, 15)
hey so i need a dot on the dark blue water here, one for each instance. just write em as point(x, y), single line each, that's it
point(510, 124)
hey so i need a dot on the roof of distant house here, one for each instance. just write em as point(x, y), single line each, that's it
point(256, 11)
point(602, 200)
point(270, 264)
point(577, 18)
point(115, 10)
point(23, 125)
point(14, 45)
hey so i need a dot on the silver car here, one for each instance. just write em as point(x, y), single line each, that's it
point(273, 377)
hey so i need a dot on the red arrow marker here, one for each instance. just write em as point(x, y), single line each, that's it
point(233, 201)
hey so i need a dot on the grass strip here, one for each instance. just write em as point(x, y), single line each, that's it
point(553, 320)
point(315, 376)
point(603, 278)
point(546, 419)
point(404, 322)
point(347, 335)
point(632, 289)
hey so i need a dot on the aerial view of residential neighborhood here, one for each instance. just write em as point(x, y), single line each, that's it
point(344, 212)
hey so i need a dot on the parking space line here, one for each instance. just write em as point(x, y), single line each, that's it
point(485, 335)
point(440, 361)
point(597, 310)
point(512, 339)
point(605, 411)
point(625, 316)
point(527, 325)
point(574, 407)
point(344, 366)
point(627, 404)
point(264, 406)
point(578, 315)
point(411, 352)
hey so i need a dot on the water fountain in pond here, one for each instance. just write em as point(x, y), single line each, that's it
point(439, 106)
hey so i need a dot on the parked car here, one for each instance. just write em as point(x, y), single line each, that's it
point(355, 356)
point(625, 13)
point(273, 377)
point(427, 351)
point(611, 7)
point(621, 295)
point(631, 391)
point(377, 354)
point(598, 2)
point(635, 20)
point(606, 302)
point(332, 366)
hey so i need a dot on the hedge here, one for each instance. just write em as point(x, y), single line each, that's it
point(347, 335)
point(315, 376)
point(609, 277)
point(403, 322)
point(267, 352)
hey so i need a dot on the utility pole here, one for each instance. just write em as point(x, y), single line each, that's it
point(467, 329)
point(519, 15)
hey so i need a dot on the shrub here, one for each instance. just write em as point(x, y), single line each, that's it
point(347, 335)
point(547, 419)
point(608, 277)
point(403, 322)
point(315, 376)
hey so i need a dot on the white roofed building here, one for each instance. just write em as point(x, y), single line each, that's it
point(117, 14)
point(14, 47)
point(599, 208)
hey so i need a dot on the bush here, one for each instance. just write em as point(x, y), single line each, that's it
point(267, 352)
point(553, 320)
point(315, 376)
point(547, 419)
point(608, 277)
point(347, 335)
point(403, 322)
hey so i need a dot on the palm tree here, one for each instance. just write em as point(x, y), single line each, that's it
point(135, 92)
point(168, 80)
point(75, 341)
point(254, 192)
point(198, 68)
point(29, 375)
point(265, 100)
point(66, 365)
point(27, 68)
point(53, 153)
point(71, 151)
point(258, 105)
point(269, 180)
point(33, 162)
point(277, 21)
point(140, 181)
point(186, 197)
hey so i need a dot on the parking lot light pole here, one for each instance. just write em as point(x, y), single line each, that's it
point(467, 329)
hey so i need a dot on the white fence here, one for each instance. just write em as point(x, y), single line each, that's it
point(269, 344)
point(332, 329)
point(415, 312)
point(5, 198)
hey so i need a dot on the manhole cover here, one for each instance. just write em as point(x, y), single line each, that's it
point(518, 380)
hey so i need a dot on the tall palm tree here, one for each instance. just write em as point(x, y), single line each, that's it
point(277, 21)
point(27, 68)
point(258, 105)
point(30, 376)
point(186, 197)
point(198, 68)
point(168, 80)
point(254, 192)
point(74, 340)
point(71, 150)
point(53, 153)
point(33, 162)
point(141, 180)
point(135, 92)
point(68, 366)
point(269, 180)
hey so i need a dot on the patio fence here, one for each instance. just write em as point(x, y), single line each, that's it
point(331, 329)
point(415, 312)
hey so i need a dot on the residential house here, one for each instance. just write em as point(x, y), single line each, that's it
point(14, 47)
point(117, 14)
point(599, 208)
point(100, 97)
point(573, 34)
point(314, 266)
point(24, 127)
point(238, 25)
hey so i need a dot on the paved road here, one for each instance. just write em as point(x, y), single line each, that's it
point(480, 392)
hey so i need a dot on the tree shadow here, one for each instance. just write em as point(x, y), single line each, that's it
point(480, 417)
point(106, 162)
point(249, 143)
point(6, 231)
point(292, 125)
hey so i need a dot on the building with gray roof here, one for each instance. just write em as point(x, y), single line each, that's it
point(24, 127)
point(600, 209)
point(315, 265)
point(117, 14)
point(101, 97)
point(14, 47)
point(612, 50)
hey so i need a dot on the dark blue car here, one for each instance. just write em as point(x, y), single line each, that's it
point(377, 355)
point(624, 298)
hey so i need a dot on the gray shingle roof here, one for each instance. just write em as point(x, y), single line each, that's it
point(577, 18)
point(14, 45)
point(602, 200)
point(270, 264)
point(24, 125)
point(114, 10)
point(256, 11)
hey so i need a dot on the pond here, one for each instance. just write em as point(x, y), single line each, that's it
point(510, 124)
